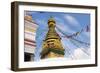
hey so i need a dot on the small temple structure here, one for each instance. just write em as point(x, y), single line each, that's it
point(29, 38)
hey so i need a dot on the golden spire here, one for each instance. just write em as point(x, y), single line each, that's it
point(52, 46)
point(51, 22)
point(52, 32)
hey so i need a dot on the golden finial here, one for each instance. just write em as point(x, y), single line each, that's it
point(51, 21)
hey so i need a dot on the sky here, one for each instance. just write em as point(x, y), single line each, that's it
point(66, 24)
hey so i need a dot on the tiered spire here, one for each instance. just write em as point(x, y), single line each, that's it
point(52, 46)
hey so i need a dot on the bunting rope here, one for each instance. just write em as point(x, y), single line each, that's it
point(74, 35)
point(69, 52)
point(78, 47)
point(79, 32)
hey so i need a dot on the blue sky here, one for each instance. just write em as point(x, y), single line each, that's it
point(68, 23)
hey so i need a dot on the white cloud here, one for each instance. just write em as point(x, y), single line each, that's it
point(80, 54)
point(87, 34)
point(64, 28)
point(40, 21)
point(72, 20)
point(59, 20)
